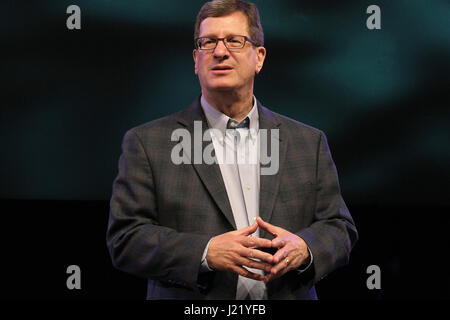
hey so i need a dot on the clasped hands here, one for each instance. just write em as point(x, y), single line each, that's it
point(235, 250)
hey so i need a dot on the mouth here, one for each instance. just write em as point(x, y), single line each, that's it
point(221, 69)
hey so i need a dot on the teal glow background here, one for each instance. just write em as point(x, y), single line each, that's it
point(67, 98)
point(380, 96)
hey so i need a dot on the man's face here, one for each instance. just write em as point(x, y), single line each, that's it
point(223, 69)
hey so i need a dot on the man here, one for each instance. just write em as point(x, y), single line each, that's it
point(226, 230)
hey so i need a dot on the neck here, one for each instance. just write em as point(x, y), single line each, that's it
point(234, 104)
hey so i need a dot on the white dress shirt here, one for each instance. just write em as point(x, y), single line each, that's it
point(238, 158)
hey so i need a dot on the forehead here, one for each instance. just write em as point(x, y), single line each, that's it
point(234, 23)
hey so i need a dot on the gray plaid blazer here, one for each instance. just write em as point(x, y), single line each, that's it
point(162, 215)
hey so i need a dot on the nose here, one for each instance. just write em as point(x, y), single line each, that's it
point(221, 50)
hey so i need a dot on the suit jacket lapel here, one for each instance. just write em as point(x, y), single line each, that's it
point(269, 184)
point(210, 175)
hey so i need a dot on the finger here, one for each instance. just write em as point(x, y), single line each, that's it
point(271, 276)
point(267, 278)
point(280, 268)
point(245, 273)
point(278, 243)
point(256, 254)
point(248, 230)
point(267, 226)
point(255, 242)
point(254, 264)
point(280, 255)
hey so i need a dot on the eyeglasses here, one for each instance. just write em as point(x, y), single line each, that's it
point(230, 42)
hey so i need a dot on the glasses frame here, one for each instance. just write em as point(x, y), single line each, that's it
point(224, 42)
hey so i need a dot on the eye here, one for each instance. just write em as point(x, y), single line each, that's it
point(234, 40)
point(208, 41)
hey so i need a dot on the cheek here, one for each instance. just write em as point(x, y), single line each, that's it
point(248, 70)
point(248, 65)
point(202, 64)
point(199, 70)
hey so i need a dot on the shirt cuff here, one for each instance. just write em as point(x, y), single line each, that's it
point(204, 265)
point(308, 262)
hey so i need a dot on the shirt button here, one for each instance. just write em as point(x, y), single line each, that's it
point(248, 187)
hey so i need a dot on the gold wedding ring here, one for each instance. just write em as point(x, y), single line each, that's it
point(287, 262)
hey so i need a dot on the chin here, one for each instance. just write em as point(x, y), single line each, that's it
point(222, 86)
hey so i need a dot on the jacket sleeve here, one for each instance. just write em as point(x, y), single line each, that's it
point(333, 234)
point(136, 242)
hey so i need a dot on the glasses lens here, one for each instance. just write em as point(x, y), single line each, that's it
point(207, 43)
point(232, 42)
point(235, 42)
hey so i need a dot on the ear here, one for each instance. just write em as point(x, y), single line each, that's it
point(260, 57)
point(194, 55)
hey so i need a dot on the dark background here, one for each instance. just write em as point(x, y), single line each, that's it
point(68, 97)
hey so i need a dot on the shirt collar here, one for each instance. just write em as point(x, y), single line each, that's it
point(219, 120)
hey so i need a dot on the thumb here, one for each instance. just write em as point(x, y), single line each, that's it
point(248, 230)
point(267, 226)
